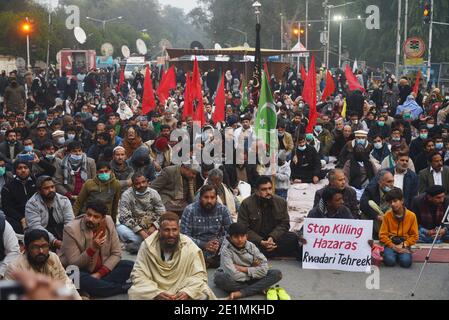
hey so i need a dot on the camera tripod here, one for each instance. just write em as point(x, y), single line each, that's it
point(430, 251)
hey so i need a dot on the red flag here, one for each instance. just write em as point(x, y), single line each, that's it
point(416, 86)
point(220, 97)
point(330, 86)
point(168, 83)
point(353, 83)
point(303, 74)
point(122, 77)
point(148, 101)
point(199, 113)
point(309, 95)
point(188, 102)
point(196, 82)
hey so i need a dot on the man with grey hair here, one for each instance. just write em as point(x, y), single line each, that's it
point(337, 179)
point(177, 186)
point(140, 208)
point(225, 196)
point(373, 204)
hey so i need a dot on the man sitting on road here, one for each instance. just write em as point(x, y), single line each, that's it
point(332, 206)
point(140, 208)
point(266, 217)
point(206, 222)
point(169, 266)
point(91, 243)
point(9, 246)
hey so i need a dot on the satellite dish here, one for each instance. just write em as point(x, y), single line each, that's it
point(107, 49)
point(246, 45)
point(80, 35)
point(126, 52)
point(141, 47)
point(196, 45)
point(217, 46)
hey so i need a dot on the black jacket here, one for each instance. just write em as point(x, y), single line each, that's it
point(14, 198)
point(410, 186)
point(371, 192)
point(319, 212)
point(308, 165)
point(251, 173)
point(4, 150)
point(349, 198)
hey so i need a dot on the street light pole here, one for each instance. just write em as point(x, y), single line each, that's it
point(282, 36)
point(299, 45)
point(307, 32)
point(339, 45)
point(398, 39)
point(28, 47)
point(48, 42)
point(429, 60)
point(103, 22)
point(240, 31)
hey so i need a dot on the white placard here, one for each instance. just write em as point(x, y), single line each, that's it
point(337, 244)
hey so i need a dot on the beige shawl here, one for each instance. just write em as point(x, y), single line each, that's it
point(185, 272)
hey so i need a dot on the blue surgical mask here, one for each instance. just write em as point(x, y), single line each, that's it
point(381, 123)
point(430, 126)
point(378, 145)
point(318, 128)
point(2, 171)
point(439, 145)
point(76, 157)
point(360, 141)
point(103, 177)
point(302, 148)
point(396, 139)
point(423, 136)
point(28, 148)
point(50, 157)
point(309, 137)
point(386, 189)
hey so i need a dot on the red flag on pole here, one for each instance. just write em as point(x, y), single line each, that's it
point(416, 86)
point(330, 86)
point(188, 101)
point(199, 113)
point(148, 101)
point(196, 82)
point(309, 95)
point(353, 83)
point(303, 74)
point(122, 77)
point(220, 97)
point(168, 83)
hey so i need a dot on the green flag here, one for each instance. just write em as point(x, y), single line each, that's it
point(245, 97)
point(266, 119)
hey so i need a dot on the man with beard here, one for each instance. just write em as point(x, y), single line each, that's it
point(169, 266)
point(38, 259)
point(121, 169)
point(206, 222)
point(91, 243)
point(140, 208)
point(48, 211)
point(15, 195)
point(266, 217)
point(10, 148)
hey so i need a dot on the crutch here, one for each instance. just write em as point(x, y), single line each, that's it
point(430, 251)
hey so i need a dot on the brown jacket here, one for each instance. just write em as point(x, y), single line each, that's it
point(78, 238)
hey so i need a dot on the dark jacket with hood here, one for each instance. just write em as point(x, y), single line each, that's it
point(140, 162)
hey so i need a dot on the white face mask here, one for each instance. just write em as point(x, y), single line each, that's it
point(61, 140)
point(71, 136)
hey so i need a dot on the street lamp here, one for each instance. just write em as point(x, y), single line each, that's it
point(103, 22)
point(240, 31)
point(27, 29)
point(340, 20)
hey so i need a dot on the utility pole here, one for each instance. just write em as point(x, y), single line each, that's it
point(282, 36)
point(325, 31)
point(398, 39)
point(28, 48)
point(429, 60)
point(307, 33)
point(48, 42)
point(299, 44)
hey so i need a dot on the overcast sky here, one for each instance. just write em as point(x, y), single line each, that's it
point(187, 5)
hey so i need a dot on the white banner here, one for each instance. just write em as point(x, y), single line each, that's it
point(337, 244)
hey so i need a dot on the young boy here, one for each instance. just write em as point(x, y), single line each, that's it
point(399, 231)
point(243, 268)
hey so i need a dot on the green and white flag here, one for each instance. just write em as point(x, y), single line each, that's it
point(266, 119)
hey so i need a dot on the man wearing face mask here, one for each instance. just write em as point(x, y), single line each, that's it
point(58, 138)
point(104, 187)
point(285, 140)
point(416, 146)
point(92, 244)
point(140, 208)
point(10, 148)
point(46, 210)
point(38, 259)
point(348, 149)
point(399, 231)
point(325, 138)
point(15, 97)
point(305, 165)
point(206, 222)
point(375, 194)
point(76, 168)
point(266, 217)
